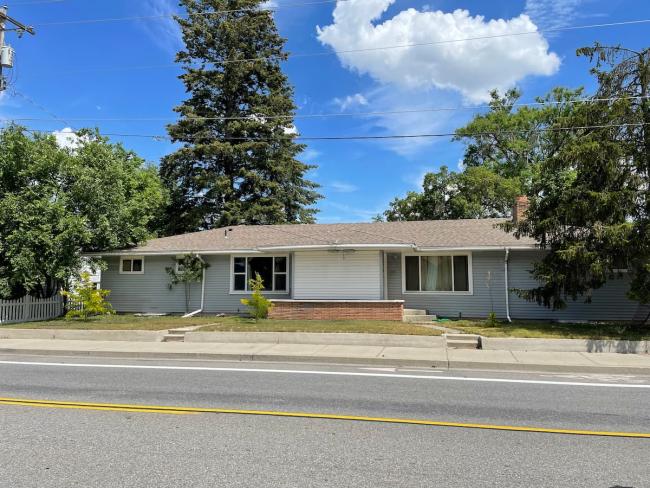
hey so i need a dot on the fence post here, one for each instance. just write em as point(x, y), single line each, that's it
point(27, 308)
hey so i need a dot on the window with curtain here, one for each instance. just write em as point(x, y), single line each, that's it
point(272, 269)
point(437, 273)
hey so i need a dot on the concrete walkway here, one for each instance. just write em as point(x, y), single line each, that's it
point(435, 357)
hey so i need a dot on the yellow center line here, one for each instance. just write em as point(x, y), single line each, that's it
point(272, 413)
point(96, 407)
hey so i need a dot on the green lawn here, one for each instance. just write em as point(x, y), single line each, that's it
point(117, 322)
point(531, 329)
point(235, 324)
point(551, 330)
point(241, 324)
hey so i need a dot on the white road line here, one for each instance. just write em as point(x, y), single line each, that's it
point(324, 373)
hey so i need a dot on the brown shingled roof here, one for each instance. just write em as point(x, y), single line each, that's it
point(475, 233)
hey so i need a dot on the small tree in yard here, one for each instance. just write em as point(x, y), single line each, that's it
point(258, 303)
point(87, 300)
point(187, 270)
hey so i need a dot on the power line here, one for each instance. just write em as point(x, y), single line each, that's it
point(6, 51)
point(180, 14)
point(373, 137)
point(336, 114)
point(31, 101)
point(362, 50)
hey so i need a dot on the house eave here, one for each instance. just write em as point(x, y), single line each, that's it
point(316, 247)
point(136, 252)
point(520, 247)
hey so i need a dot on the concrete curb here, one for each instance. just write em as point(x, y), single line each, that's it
point(377, 361)
point(547, 368)
point(368, 361)
point(84, 335)
point(565, 345)
point(343, 339)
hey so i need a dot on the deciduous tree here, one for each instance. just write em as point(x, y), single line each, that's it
point(56, 203)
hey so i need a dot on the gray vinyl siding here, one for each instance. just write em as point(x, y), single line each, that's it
point(217, 288)
point(150, 293)
point(488, 278)
point(608, 303)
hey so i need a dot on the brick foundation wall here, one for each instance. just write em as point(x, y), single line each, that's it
point(336, 310)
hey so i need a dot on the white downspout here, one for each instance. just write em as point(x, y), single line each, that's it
point(505, 261)
point(200, 310)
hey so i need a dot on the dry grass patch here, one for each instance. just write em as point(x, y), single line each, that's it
point(553, 330)
point(118, 322)
point(243, 324)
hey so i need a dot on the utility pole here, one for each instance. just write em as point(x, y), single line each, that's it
point(6, 51)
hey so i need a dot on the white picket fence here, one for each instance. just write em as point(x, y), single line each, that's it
point(29, 309)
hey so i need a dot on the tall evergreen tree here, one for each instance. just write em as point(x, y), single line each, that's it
point(590, 204)
point(237, 163)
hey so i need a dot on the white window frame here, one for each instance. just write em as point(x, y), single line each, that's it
point(177, 260)
point(435, 254)
point(131, 258)
point(247, 256)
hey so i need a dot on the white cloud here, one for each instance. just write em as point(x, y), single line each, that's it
point(309, 155)
point(415, 179)
point(386, 99)
point(553, 14)
point(472, 68)
point(342, 187)
point(351, 101)
point(348, 213)
point(269, 5)
point(67, 138)
point(164, 32)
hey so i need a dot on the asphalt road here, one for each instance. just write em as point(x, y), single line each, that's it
point(54, 447)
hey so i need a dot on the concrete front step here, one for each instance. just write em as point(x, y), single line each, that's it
point(462, 341)
point(174, 338)
point(462, 336)
point(462, 344)
point(420, 318)
point(414, 311)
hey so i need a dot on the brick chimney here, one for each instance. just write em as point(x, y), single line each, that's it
point(519, 209)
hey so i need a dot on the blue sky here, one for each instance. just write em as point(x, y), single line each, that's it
point(124, 69)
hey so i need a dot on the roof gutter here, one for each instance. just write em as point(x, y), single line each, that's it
point(135, 252)
point(529, 247)
point(263, 249)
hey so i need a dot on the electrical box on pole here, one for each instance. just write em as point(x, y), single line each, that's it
point(6, 57)
point(7, 52)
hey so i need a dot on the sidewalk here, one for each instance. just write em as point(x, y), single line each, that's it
point(437, 356)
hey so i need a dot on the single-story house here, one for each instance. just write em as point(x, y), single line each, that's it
point(450, 268)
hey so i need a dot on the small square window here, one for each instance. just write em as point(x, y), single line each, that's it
point(132, 266)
